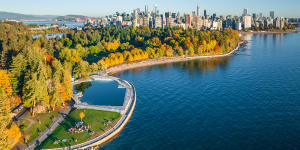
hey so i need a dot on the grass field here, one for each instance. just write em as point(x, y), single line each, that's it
point(31, 126)
point(94, 118)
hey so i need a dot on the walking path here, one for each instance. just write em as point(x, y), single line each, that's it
point(49, 130)
point(130, 101)
point(126, 110)
point(30, 122)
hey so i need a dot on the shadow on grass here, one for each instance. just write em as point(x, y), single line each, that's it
point(68, 122)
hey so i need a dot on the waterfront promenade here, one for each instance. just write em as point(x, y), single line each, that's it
point(126, 111)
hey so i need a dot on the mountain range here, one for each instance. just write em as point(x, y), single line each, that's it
point(18, 16)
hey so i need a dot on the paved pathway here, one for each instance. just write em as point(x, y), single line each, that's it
point(30, 124)
point(49, 130)
point(129, 108)
point(130, 101)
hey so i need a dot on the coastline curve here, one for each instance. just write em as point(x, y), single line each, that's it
point(112, 132)
point(163, 60)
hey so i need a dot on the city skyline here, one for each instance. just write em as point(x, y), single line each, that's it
point(99, 9)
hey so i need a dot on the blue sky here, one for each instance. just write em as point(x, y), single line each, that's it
point(286, 8)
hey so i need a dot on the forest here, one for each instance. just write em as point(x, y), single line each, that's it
point(37, 73)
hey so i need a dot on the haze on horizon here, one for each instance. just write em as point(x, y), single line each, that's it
point(99, 8)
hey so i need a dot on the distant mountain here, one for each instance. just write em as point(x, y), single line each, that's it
point(18, 16)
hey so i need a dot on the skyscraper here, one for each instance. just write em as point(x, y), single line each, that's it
point(188, 20)
point(193, 13)
point(254, 16)
point(272, 14)
point(198, 10)
point(245, 13)
point(155, 10)
point(205, 13)
point(146, 10)
point(168, 14)
point(214, 16)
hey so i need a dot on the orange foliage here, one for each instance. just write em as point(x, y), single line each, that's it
point(49, 58)
point(218, 49)
point(13, 134)
point(14, 101)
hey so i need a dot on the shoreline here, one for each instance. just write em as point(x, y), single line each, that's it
point(164, 60)
point(268, 32)
point(110, 133)
point(114, 131)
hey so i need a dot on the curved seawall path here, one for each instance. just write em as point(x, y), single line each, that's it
point(108, 135)
point(112, 132)
point(115, 130)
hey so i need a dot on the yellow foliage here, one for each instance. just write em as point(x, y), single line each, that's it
point(5, 83)
point(13, 135)
point(81, 115)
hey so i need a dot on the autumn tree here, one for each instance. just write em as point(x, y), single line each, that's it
point(82, 69)
point(5, 83)
point(4, 121)
point(81, 115)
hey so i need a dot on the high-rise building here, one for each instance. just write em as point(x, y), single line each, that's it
point(193, 13)
point(146, 10)
point(198, 10)
point(119, 21)
point(158, 21)
point(188, 20)
point(173, 15)
point(205, 13)
point(254, 16)
point(214, 16)
point(245, 12)
point(155, 10)
point(168, 14)
point(272, 14)
point(247, 20)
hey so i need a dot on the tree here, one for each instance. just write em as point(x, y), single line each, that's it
point(18, 70)
point(82, 69)
point(94, 67)
point(13, 135)
point(4, 120)
point(5, 83)
point(67, 80)
point(30, 92)
point(81, 115)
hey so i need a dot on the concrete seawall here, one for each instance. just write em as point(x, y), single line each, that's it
point(112, 132)
point(120, 109)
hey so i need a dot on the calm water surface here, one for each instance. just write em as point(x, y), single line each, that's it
point(247, 101)
point(70, 24)
point(109, 93)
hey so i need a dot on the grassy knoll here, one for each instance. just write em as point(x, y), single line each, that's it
point(32, 126)
point(96, 119)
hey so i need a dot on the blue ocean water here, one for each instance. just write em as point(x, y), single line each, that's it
point(250, 100)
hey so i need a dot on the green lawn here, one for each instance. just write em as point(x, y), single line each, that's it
point(40, 122)
point(94, 118)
